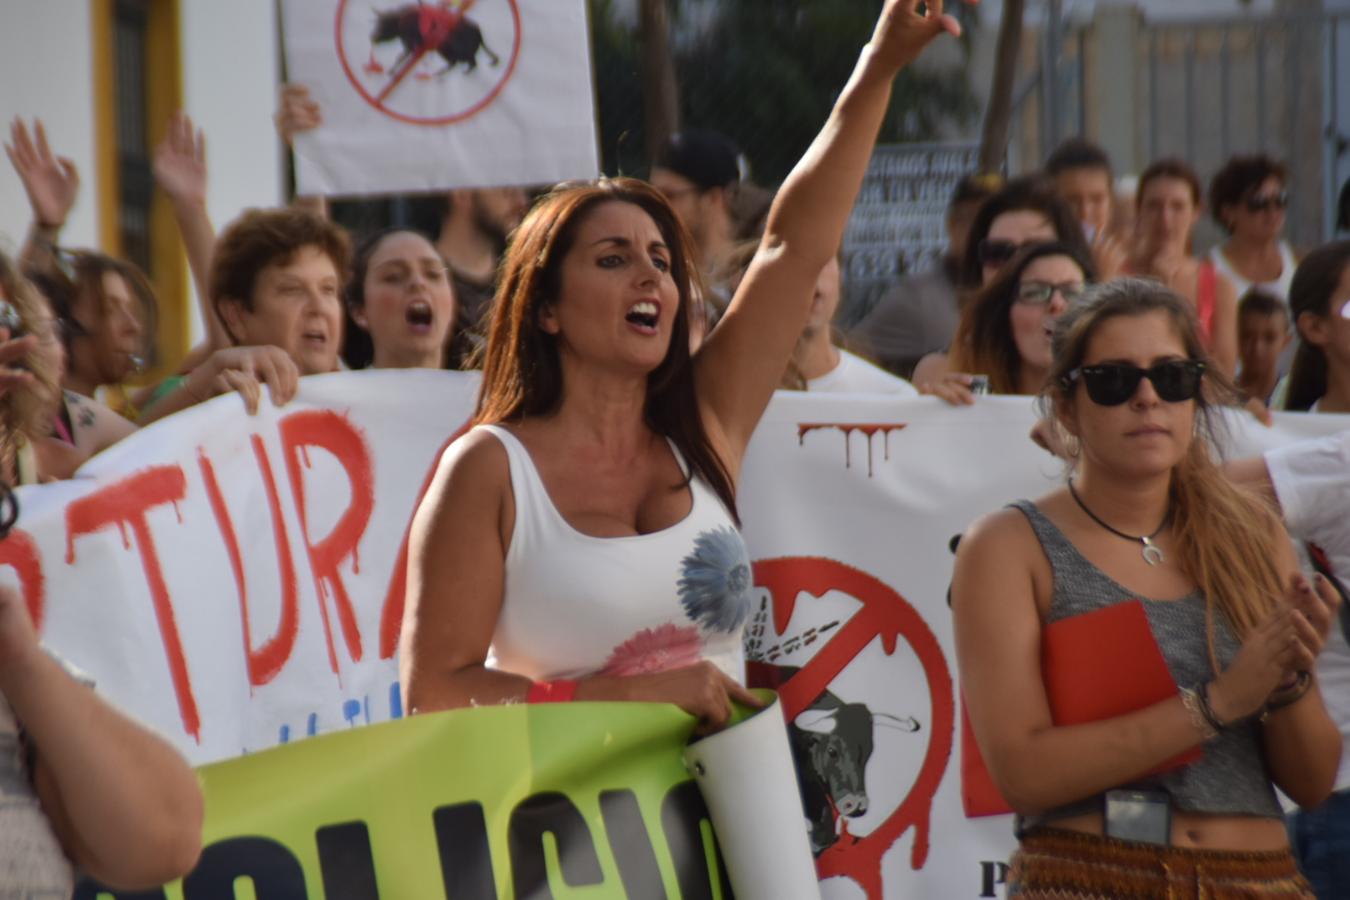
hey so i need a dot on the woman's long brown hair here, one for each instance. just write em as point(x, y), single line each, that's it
point(1314, 283)
point(522, 374)
point(1226, 534)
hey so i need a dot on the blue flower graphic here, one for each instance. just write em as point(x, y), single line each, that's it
point(715, 586)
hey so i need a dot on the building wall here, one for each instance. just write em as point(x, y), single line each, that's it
point(230, 80)
point(46, 69)
point(229, 60)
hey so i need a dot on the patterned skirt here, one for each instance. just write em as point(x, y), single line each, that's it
point(1052, 864)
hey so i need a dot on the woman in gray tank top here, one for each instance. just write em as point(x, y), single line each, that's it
point(1105, 809)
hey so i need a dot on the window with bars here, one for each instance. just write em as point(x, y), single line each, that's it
point(131, 19)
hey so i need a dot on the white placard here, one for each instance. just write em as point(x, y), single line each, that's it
point(436, 95)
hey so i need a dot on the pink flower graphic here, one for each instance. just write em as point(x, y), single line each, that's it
point(655, 650)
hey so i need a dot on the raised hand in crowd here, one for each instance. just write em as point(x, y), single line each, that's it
point(180, 162)
point(181, 172)
point(51, 182)
point(297, 111)
point(122, 803)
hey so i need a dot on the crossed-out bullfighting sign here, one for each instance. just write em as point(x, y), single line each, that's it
point(420, 96)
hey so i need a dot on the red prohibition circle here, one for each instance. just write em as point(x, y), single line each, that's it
point(433, 120)
point(888, 616)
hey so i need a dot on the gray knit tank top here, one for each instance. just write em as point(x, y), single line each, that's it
point(1231, 777)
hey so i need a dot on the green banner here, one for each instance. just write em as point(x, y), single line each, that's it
point(564, 800)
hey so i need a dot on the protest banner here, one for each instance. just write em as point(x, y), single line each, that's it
point(457, 805)
point(159, 575)
point(898, 225)
point(436, 95)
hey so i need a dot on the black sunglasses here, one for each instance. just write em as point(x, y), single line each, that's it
point(1261, 202)
point(1111, 384)
point(994, 253)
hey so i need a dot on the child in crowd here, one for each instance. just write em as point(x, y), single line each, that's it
point(1263, 334)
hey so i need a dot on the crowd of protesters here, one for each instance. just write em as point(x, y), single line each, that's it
point(630, 335)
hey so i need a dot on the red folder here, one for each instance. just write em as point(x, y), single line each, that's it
point(1095, 666)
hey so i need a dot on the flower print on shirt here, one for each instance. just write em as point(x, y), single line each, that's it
point(659, 649)
point(715, 585)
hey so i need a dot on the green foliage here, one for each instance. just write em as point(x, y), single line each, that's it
point(764, 72)
point(618, 88)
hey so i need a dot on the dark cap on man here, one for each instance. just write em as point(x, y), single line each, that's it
point(707, 158)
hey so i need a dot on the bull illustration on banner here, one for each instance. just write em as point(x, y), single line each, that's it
point(833, 738)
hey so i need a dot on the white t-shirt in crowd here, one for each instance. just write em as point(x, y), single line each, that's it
point(1279, 288)
point(1312, 481)
point(855, 375)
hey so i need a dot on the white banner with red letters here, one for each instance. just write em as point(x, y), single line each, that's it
point(235, 581)
point(421, 96)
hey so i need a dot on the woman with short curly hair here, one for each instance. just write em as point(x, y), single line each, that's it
point(1248, 198)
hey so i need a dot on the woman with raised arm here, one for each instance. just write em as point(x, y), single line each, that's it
point(1147, 520)
point(581, 541)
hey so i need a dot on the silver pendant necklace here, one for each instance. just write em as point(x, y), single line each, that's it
point(1151, 552)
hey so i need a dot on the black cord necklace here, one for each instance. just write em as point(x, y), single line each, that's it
point(1152, 553)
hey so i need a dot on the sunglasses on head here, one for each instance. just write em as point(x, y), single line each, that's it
point(1038, 293)
point(1261, 202)
point(995, 253)
point(1111, 384)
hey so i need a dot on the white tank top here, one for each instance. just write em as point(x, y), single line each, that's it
point(1278, 288)
point(575, 605)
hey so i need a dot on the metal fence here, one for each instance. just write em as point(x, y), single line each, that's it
point(1208, 89)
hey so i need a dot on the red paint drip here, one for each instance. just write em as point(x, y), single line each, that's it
point(847, 429)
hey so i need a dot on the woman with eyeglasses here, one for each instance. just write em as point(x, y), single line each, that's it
point(1026, 211)
point(1004, 332)
point(1147, 526)
point(1248, 198)
point(399, 302)
point(1319, 299)
point(1168, 204)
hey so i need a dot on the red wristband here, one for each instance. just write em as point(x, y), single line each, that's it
point(560, 691)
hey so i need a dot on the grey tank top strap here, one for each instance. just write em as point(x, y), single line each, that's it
point(1230, 779)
